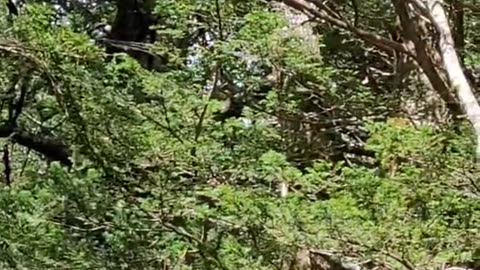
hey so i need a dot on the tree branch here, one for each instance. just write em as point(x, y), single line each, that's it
point(52, 148)
point(372, 38)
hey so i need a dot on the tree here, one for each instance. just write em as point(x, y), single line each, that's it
point(118, 153)
point(426, 39)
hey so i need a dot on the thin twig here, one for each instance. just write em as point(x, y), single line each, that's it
point(219, 17)
point(25, 162)
point(405, 262)
point(19, 105)
point(198, 128)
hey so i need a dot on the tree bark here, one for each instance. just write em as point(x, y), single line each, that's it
point(442, 66)
point(453, 68)
point(459, 26)
point(52, 148)
point(132, 25)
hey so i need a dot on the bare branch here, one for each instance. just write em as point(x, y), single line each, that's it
point(372, 38)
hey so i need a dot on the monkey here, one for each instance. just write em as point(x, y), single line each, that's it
point(233, 109)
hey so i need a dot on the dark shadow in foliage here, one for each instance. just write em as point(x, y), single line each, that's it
point(52, 148)
point(132, 25)
point(12, 8)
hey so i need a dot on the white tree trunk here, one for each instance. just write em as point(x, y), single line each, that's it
point(452, 66)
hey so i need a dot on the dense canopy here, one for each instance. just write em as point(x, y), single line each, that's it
point(225, 134)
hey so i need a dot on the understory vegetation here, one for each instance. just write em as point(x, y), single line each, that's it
point(224, 134)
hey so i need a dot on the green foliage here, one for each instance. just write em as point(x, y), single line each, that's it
point(158, 184)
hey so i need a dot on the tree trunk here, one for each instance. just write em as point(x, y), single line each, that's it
point(441, 66)
point(453, 68)
point(459, 26)
point(131, 29)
